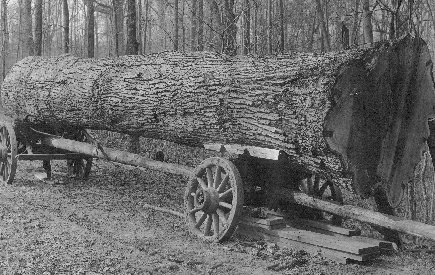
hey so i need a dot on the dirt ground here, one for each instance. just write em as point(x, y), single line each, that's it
point(100, 226)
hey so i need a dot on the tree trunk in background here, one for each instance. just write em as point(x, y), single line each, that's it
point(355, 25)
point(145, 28)
point(246, 27)
point(183, 26)
point(132, 45)
point(176, 25)
point(367, 23)
point(281, 20)
point(200, 25)
point(217, 26)
point(269, 28)
point(363, 112)
point(65, 27)
point(38, 27)
point(230, 29)
point(323, 28)
point(91, 29)
point(255, 28)
point(132, 49)
point(119, 26)
point(5, 36)
point(194, 26)
point(28, 31)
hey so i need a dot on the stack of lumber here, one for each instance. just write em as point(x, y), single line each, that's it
point(315, 237)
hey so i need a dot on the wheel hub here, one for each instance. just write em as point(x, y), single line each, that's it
point(207, 200)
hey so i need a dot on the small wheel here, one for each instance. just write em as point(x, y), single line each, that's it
point(326, 190)
point(8, 153)
point(214, 199)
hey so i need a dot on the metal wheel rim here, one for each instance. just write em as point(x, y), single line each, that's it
point(220, 175)
point(8, 167)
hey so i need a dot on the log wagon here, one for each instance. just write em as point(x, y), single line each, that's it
point(295, 125)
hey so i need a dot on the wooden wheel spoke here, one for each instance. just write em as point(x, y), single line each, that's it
point(202, 183)
point(6, 174)
point(201, 220)
point(316, 184)
point(222, 217)
point(209, 177)
point(225, 194)
point(2, 168)
point(323, 188)
point(208, 224)
point(3, 136)
point(215, 224)
point(193, 211)
point(225, 205)
point(193, 194)
point(217, 177)
point(223, 183)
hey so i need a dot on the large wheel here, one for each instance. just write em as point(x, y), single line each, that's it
point(214, 199)
point(8, 153)
point(326, 190)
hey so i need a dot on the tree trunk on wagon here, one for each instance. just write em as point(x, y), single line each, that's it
point(362, 112)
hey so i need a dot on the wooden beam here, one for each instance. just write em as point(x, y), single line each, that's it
point(399, 224)
point(117, 156)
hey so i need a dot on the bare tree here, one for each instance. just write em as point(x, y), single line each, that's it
point(118, 14)
point(29, 45)
point(281, 20)
point(65, 26)
point(132, 45)
point(38, 27)
point(194, 25)
point(246, 27)
point(269, 27)
point(323, 28)
point(176, 25)
point(355, 23)
point(200, 23)
point(367, 23)
point(5, 36)
point(91, 29)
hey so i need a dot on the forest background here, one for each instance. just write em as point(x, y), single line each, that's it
point(102, 28)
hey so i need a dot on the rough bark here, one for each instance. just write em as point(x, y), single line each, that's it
point(362, 111)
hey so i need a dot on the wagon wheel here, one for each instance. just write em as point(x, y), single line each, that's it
point(214, 199)
point(81, 167)
point(326, 190)
point(8, 152)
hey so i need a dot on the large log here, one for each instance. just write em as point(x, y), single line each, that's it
point(362, 111)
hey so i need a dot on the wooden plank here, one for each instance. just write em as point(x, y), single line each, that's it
point(324, 225)
point(258, 232)
point(266, 221)
point(385, 246)
point(321, 240)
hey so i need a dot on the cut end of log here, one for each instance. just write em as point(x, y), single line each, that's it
point(380, 118)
